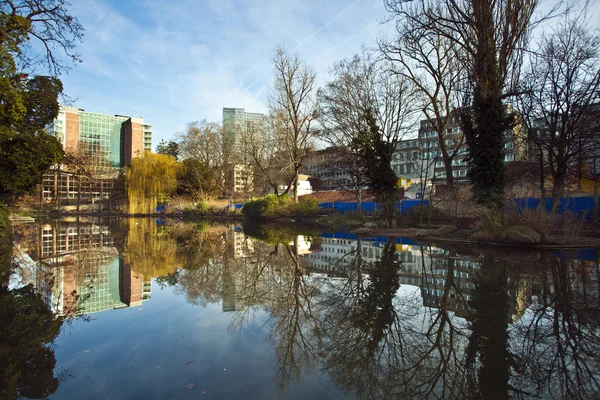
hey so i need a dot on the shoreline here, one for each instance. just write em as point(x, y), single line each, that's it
point(320, 222)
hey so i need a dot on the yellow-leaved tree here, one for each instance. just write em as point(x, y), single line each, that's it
point(149, 250)
point(150, 178)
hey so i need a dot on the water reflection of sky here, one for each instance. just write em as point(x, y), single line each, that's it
point(145, 353)
point(173, 311)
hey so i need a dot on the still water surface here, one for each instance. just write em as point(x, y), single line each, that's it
point(147, 309)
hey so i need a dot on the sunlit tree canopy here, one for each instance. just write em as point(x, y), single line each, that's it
point(150, 178)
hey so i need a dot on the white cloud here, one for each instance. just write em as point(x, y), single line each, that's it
point(177, 62)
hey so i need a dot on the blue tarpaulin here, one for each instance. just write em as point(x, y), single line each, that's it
point(368, 207)
point(582, 207)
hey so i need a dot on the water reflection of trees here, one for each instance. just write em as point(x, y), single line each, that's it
point(27, 329)
point(381, 345)
point(293, 320)
point(275, 279)
point(150, 250)
point(477, 323)
point(201, 251)
point(558, 342)
point(248, 276)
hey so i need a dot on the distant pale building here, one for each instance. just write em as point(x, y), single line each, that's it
point(332, 169)
point(238, 179)
point(237, 122)
point(412, 170)
point(304, 187)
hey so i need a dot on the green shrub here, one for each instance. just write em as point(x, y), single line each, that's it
point(279, 206)
point(202, 207)
point(307, 207)
point(261, 207)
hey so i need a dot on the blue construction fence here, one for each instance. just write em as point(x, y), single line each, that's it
point(582, 207)
point(369, 207)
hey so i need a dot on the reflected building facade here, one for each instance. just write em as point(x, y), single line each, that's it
point(426, 267)
point(78, 269)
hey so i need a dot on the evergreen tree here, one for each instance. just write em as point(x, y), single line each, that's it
point(169, 148)
point(375, 155)
point(29, 103)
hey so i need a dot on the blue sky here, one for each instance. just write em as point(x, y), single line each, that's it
point(176, 62)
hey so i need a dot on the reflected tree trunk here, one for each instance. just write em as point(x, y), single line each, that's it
point(489, 338)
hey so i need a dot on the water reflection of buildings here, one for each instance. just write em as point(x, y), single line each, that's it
point(425, 267)
point(459, 292)
point(446, 277)
point(78, 270)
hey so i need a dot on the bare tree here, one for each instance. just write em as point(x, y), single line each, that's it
point(292, 103)
point(361, 86)
point(430, 61)
point(271, 167)
point(202, 141)
point(561, 101)
point(46, 22)
point(491, 36)
point(358, 85)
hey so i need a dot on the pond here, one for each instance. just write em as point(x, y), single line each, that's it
point(153, 309)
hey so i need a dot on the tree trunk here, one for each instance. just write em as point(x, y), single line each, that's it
point(389, 209)
point(542, 181)
point(78, 193)
point(296, 187)
point(58, 182)
point(448, 168)
point(429, 209)
point(596, 199)
point(558, 190)
point(485, 137)
point(55, 189)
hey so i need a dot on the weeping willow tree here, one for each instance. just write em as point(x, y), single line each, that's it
point(150, 178)
point(150, 251)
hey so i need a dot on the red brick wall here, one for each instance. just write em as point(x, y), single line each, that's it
point(72, 131)
point(132, 138)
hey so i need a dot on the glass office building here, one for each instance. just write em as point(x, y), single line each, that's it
point(110, 142)
point(117, 139)
point(101, 134)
